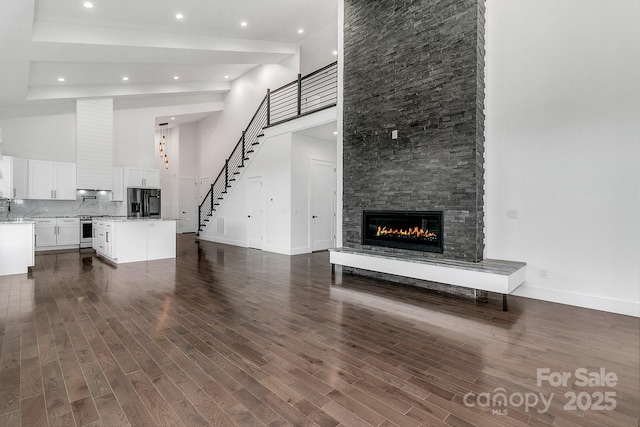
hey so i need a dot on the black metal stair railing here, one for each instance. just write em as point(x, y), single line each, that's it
point(311, 93)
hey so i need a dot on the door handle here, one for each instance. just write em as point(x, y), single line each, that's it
point(314, 216)
point(248, 216)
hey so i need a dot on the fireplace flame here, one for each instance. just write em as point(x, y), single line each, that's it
point(410, 232)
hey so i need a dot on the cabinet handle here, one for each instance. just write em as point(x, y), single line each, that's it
point(14, 192)
point(107, 236)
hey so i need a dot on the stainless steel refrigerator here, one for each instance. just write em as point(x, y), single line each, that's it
point(143, 202)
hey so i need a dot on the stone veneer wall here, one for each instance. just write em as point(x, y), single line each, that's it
point(418, 67)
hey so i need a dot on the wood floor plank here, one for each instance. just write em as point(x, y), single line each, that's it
point(33, 411)
point(84, 411)
point(229, 336)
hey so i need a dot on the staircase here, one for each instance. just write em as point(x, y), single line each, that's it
point(306, 95)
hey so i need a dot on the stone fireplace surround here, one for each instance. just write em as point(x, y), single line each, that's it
point(416, 67)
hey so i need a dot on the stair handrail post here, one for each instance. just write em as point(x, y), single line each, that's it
point(299, 93)
point(244, 132)
point(211, 197)
point(268, 107)
point(226, 175)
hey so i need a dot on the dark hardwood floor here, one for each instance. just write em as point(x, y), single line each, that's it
point(230, 336)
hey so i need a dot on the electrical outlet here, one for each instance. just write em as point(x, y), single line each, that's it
point(394, 134)
point(512, 214)
point(544, 274)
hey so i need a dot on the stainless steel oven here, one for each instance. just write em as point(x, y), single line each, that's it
point(86, 232)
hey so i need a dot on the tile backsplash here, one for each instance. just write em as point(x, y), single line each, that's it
point(85, 204)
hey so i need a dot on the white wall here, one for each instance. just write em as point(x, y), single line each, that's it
point(42, 137)
point(283, 161)
point(189, 160)
point(304, 150)
point(272, 162)
point(224, 130)
point(317, 49)
point(563, 148)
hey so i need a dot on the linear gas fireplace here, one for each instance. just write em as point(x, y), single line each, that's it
point(415, 230)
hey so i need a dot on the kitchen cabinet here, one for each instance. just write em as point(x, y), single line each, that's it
point(14, 177)
point(57, 233)
point(142, 178)
point(123, 241)
point(46, 232)
point(103, 232)
point(6, 181)
point(16, 247)
point(117, 195)
point(52, 180)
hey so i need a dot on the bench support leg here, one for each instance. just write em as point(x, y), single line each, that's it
point(505, 306)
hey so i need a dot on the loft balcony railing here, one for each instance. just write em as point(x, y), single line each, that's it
point(306, 95)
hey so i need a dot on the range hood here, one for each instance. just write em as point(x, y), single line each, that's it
point(94, 144)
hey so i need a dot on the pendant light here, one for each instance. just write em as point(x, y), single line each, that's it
point(162, 145)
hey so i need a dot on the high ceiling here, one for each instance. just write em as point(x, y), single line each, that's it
point(94, 49)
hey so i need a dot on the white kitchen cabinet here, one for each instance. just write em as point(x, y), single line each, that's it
point(117, 195)
point(57, 233)
point(124, 241)
point(14, 177)
point(6, 181)
point(45, 232)
point(52, 180)
point(103, 237)
point(20, 177)
point(16, 247)
point(142, 178)
point(68, 231)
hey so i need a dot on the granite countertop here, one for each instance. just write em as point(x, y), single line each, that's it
point(125, 219)
point(17, 221)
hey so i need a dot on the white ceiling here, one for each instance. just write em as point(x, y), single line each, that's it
point(93, 49)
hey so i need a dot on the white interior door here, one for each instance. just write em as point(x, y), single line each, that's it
point(323, 205)
point(188, 205)
point(256, 212)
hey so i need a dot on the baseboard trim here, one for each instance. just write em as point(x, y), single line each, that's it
point(627, 308)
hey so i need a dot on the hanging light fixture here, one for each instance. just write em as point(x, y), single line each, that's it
point(162, 145)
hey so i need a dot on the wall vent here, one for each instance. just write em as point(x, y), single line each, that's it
point(220, 226)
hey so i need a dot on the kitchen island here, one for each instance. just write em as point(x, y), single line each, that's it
point(17, 246)
point(122, 240)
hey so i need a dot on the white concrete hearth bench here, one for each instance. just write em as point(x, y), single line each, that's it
point(491, 275)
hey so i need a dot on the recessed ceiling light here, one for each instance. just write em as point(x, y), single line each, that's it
point(335, 133)
point(179, 15)
point(300, 31)
point(87, 4)
point(226, 77)
point(243, 23)
point(176, 78)
point(60, 79)
point(125, 78)
point(335, 52)
point(173, 118)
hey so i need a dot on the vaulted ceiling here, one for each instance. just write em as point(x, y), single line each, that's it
point(95, 49)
